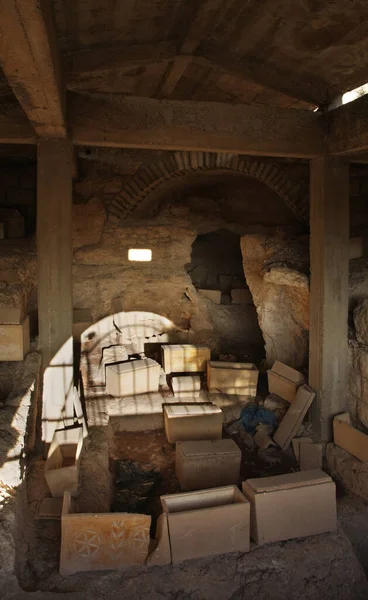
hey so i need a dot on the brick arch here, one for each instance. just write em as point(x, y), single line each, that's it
point(150, 178)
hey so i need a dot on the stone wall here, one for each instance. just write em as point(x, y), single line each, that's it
point(105, 281)
point(277, 272)
point(18, 191)
point(275, 252)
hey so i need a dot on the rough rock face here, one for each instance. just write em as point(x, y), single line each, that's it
point(281, 296)
point(361, 321)
point(350, 471)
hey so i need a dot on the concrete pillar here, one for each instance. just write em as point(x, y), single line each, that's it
point(329, 222)
point(54, 262)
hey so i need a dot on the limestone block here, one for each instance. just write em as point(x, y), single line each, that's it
point(310, 456)
point(186, 422)
point(349, 470)
point(207, 522)
point(213, 295)
point(132, 377)
point(290, 506)
point(63, 460)
point(161, 553)
point(207, 464)
point(262, 438)
point(14, 341)
point(50, 509)
point(232, 378)
point(182, 358)
point(355, 248)
point(11, 316)
point(186, 386)
point(103, 541)
point(242, 296)
point(296, 445)
point(294, 417)
point(360, 315)
point(284, 381)
point(350, 439)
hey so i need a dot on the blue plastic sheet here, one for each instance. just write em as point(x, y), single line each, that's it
point(253, 415)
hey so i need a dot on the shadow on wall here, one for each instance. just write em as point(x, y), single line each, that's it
point(217, 273)
point(18, 420)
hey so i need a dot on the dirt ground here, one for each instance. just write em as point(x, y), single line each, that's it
point(330, 565)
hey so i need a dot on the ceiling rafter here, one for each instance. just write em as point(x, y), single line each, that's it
point(205, 16)
point(30, 61)
point(82, 65)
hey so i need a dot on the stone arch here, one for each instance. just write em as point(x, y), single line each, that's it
point(150, 178)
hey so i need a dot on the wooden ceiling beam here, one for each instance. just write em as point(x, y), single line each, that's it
point(131, 122)
point(29, 58)
point(348, 128)
point(82, 65)
point(205, 16)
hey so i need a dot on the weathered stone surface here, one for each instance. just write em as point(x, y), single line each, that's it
point(286, 276)
point(88, 221)
point(20, 411)
point(352, 472)
point(281, 297)
point(361, 321)
point(358, 384)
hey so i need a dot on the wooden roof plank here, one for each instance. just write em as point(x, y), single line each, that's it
point(29, 58)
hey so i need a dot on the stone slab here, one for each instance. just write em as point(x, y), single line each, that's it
point(207, 464)
point(103, 541)
point(232, 378)
point(310, 456)
point(183, 358)
point(350, 439)
point(213, 295)
point(294, 417)
point(63, 460)
point(186, 386)
point(284, 381)
point(11, 316)
point(294, 512)
point(350, 471)
point(50, 509)
point(187, 422)
point(161, 552)
point(296, 445)
point(132, 377)
point(14, 341)
point(288, 481)
point(207, 522)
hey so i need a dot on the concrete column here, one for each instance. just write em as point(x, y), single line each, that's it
point(329, 223)
point(54, 262)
